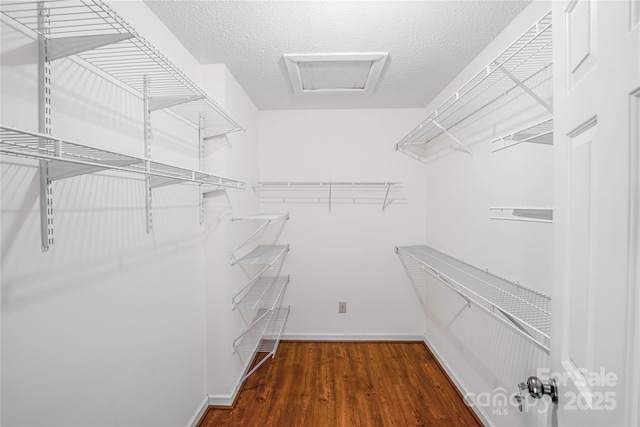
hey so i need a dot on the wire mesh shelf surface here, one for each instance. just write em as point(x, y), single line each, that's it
point(94, 32)
point(539, 133)
point(273, 332)
point(262, 326)
point(262, 217)
point(527, 311)
point(530, 214)
point(68, 158)
point(264, 255)
point(330, 192)
point(524, 64)
point(262, 293)
point(270, 338)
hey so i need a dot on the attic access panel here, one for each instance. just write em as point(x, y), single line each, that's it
point(335, 72)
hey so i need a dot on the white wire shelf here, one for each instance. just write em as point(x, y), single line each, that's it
point(266, 339)
point(68, 158)
point(262, 217)
point(262, 292)
point(330, 192)
point(93, 32)
point(523, 65)
point(539, 133)
point(528, 312)
point(264, 255)
point(528, 214)
point(267, 218)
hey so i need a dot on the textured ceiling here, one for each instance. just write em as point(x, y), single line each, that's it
point(429, 42)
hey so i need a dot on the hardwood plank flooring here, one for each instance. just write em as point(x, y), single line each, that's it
point(338, 384)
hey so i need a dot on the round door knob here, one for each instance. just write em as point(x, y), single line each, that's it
point(535, 387)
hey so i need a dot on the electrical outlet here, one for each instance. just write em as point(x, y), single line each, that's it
point(342, 306)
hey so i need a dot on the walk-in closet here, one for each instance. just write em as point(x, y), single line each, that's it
point(319, 213)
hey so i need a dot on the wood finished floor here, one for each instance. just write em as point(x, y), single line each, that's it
point(338, 384)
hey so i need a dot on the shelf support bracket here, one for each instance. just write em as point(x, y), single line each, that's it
point(248, 239)
point(386, 196)
point(67, 46)
point(44, 126)
point(161, 102)
point(450, 135)
point(147, 154)
point(531, 93)
point(61, 170)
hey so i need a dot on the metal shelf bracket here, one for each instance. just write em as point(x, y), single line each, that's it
point(525, 88)
point(450, 135)
point(66, 46)
point(159, 103)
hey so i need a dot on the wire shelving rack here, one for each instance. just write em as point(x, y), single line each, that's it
point(526, 311)
point(263, 336)
point(267, 219)
point(94, 32)
point(521, 66)
point(528, 214)
point(67, 158)
point(264, 255)
point(539, 133)
point(330, 192)
point(262, 292)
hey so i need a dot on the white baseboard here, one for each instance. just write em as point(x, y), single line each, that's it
point(476, 409)
point(353, 337)
point(199, 413)
point(228, 399)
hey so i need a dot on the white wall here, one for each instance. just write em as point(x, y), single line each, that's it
point(109, 326)
point(348, 253)
point(488, 358)
point(237, 155)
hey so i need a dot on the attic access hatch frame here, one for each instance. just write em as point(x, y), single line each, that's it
point(515, 68)
point(293, 61)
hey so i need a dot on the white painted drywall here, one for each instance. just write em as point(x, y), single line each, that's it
point(235, 154)
point(109, 326)
point(488, 358)
point(346, 254)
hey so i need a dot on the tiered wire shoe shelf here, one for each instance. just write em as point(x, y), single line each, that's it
point(522, 66)
point(527, 214)
point(539, 133)
point(263, 336)
point(98, 38)
point(526, 311)
point(262, 295)
point(331, 192)
point(267, 219)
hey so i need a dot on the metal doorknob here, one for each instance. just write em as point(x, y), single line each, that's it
point(538, 389)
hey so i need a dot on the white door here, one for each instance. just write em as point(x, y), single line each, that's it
point(595, 326)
